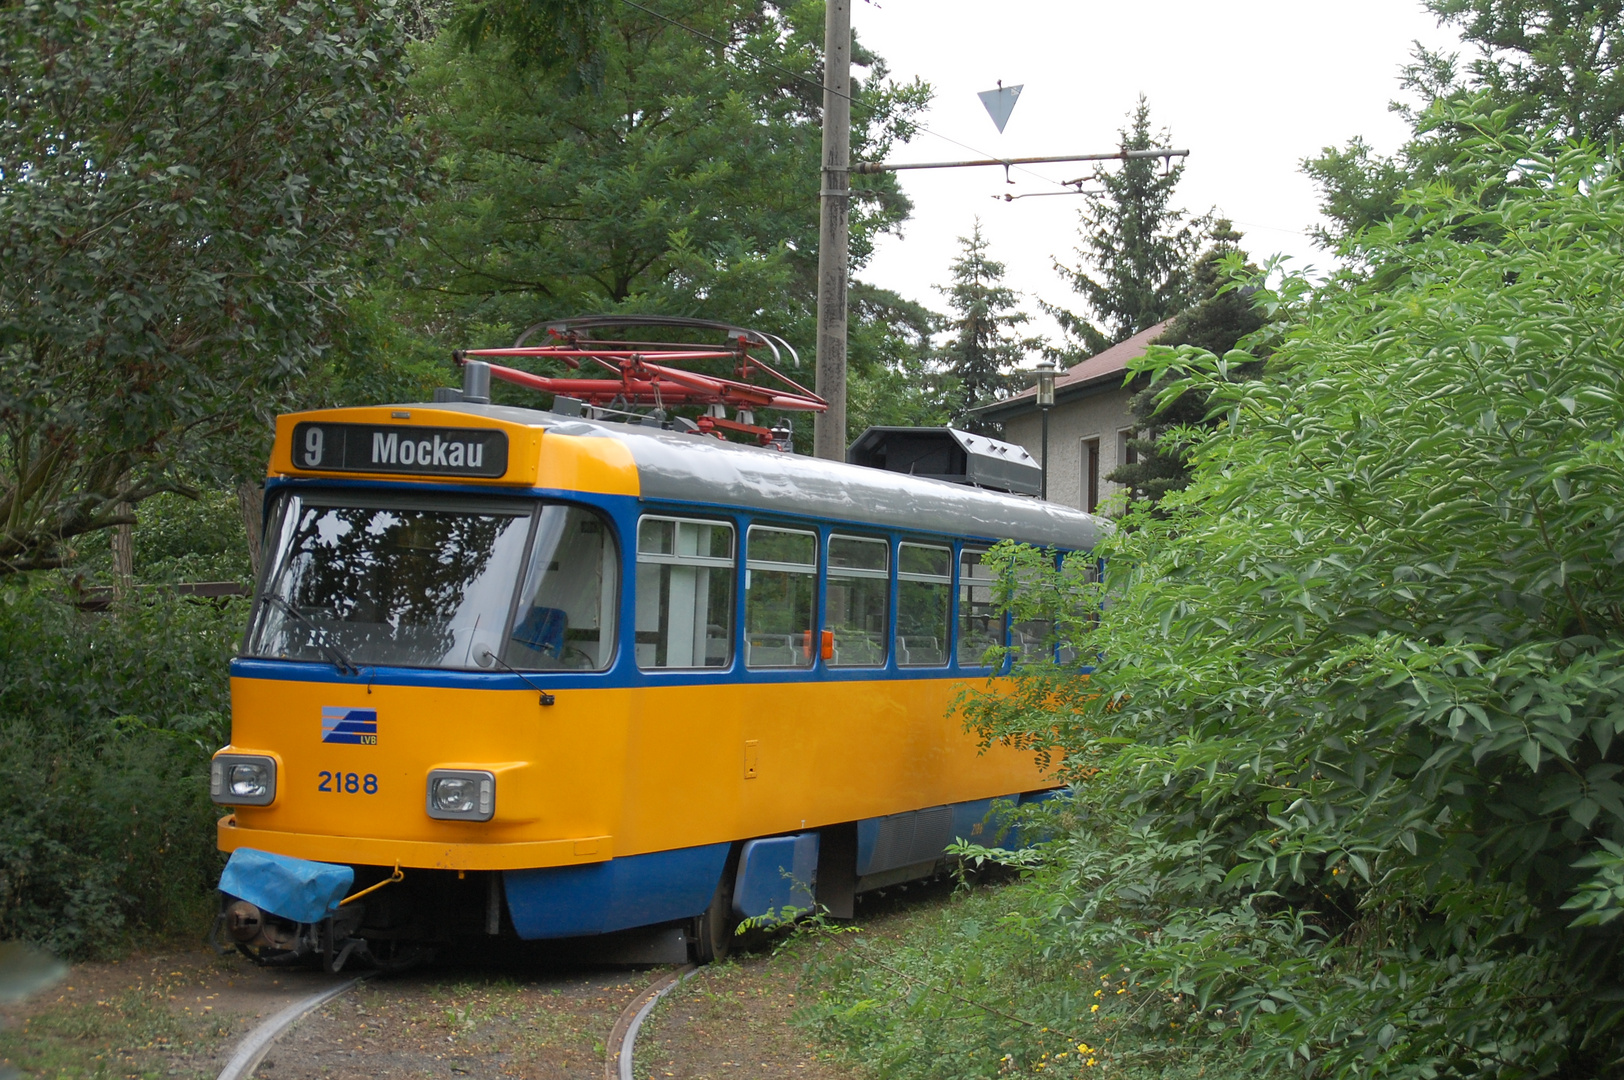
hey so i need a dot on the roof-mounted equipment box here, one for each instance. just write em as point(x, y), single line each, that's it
point(959, 457)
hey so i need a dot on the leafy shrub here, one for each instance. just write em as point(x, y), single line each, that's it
point(202, 539)
point(176, 538)
point(107, 722)
point(973, 990)
point(1349, 764)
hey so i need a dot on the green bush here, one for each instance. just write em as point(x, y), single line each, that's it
point(107, 721)
point(202, 539)
point(973, 990)
point(1350, 773)
point(175, 538)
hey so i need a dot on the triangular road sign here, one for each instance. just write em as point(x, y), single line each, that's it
point(1000, 103)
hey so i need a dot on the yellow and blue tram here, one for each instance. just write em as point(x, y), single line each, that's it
point(520, 673)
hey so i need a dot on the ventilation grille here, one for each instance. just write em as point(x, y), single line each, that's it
point(908, 839)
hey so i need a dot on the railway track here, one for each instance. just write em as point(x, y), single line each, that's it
point(620, 1045)
point(257, 1043)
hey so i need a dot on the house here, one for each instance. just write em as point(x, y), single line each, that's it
point(1089, 426)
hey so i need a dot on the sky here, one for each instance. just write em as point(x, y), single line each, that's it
point(1250, 90)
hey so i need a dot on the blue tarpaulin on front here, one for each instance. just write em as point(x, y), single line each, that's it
point(295, 889)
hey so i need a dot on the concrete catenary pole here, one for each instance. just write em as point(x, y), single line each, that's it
point(829, 427)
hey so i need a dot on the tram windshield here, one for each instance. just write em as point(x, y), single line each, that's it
point(416, 582)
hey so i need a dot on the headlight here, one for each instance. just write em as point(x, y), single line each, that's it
point(242, 780)
point(461, 795)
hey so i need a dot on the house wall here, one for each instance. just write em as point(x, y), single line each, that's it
point(1104, 416)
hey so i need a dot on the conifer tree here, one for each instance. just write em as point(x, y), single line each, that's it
point(1136, 248)
point(1215, 321)
point(983, 350)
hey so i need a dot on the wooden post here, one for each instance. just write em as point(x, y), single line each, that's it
point(123, 552)
point(251, 500)
point(829, 427)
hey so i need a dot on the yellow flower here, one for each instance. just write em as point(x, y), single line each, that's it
point(1097, 993)
point(1091, 1061)
point(1093, 1008)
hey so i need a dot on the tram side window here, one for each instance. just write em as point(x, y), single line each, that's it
point(566, 618)
point(924, 601)
point(684, 593)
point(1034, 639)
point(1080, 568)
point(980, 626)
point(780, 589)
point(859, 601)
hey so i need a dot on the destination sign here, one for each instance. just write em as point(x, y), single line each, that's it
point(418, 451)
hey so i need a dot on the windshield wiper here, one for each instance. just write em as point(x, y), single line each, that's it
point(333, 653)
point(487, 656)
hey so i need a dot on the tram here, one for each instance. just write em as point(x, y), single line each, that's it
point(548, 673)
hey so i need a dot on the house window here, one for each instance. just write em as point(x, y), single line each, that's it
point(1127, 453)
point(1091, 474)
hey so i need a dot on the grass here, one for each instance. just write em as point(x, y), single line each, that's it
point(128, 1033)
point(973, 989)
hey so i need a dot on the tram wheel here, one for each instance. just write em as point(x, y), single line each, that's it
point(712, 934)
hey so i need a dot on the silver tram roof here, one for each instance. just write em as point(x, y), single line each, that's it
point(678, 467)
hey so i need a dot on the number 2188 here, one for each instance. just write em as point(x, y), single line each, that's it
point(348, 783)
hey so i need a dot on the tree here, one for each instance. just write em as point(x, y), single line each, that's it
point(186, 189)
point(895, 379)
point(1558, 61)
point(1548, 64)
point(1220, 317)
point(982, 351)
point(1349, 756)
point(1138, 245)
point(555, 35)
point(681, 187)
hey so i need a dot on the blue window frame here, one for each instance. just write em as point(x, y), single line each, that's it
point(980, 626)
point(780, 597)
point(924, 604)
point(857, 600)
point(685, 571)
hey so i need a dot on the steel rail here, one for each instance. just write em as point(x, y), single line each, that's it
point(621, 1047)
point(617, 1063)
point(257, 1043)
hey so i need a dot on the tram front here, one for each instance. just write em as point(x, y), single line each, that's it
point(396, 730)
